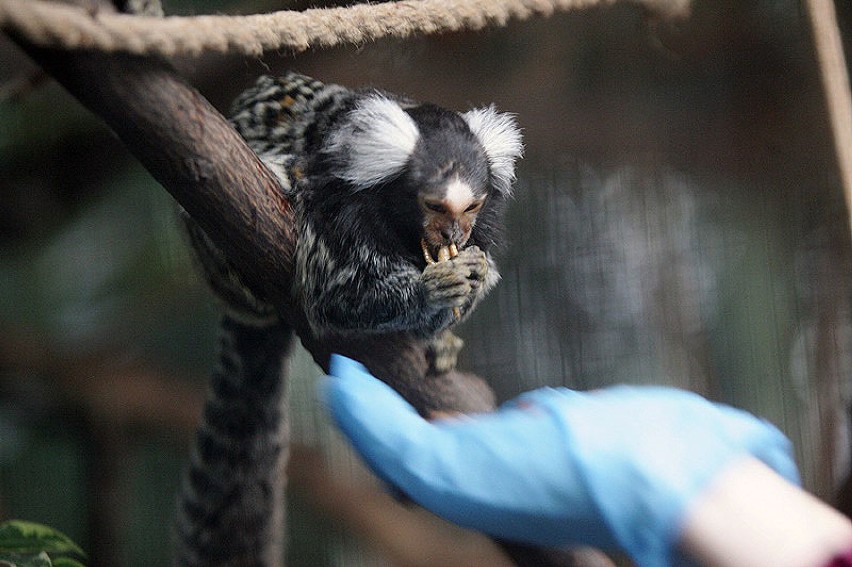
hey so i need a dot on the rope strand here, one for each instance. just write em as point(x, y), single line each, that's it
point(49, 24)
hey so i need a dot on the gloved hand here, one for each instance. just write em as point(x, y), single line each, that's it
point(614, 468)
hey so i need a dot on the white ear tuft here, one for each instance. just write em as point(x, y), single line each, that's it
point(374, 142)
point(501, 138)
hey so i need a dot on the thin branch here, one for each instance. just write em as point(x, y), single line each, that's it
point(17, 88)
point(53, 25)
point(835, 82)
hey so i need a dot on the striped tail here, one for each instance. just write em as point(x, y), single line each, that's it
point(231, 508)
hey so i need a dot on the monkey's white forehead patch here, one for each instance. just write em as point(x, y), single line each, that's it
point(375, 141)
point(458, 196)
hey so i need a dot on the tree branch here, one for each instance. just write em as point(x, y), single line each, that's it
point(192, 151)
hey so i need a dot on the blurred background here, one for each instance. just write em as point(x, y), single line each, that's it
point(678, 220)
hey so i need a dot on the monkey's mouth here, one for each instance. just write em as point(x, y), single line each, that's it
point(442, 254)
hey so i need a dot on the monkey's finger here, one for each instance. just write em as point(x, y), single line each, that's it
point(472, 251)
point(472, 268)
point(447, 284)
point(448, 298)
point(452, 298)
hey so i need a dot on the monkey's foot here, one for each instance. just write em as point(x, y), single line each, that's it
point(442, 352)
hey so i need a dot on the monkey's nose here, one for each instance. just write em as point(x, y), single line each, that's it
point(452, 234)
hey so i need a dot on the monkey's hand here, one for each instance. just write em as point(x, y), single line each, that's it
point(456, 282)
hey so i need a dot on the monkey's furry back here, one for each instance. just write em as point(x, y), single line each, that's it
point(278, 115)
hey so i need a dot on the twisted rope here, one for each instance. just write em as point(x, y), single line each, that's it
point(50, 24)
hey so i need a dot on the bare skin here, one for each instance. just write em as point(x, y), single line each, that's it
point(751, 517)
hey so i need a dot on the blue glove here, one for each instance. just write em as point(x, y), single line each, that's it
point(614, 468)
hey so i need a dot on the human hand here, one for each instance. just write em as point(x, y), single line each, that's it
point(613, 468)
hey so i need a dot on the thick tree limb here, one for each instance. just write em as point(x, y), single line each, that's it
point(193, 152)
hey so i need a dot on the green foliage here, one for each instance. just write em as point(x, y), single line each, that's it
point(27, 544)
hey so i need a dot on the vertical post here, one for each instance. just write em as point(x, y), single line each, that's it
point(835, 82)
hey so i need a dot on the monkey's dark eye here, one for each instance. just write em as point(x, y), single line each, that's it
point(436, 207)
point(474, 207)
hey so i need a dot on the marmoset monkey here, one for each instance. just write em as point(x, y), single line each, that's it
point(383, 188)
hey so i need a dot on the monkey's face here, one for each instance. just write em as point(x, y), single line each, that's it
point(449, 215)
point(430, 171)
